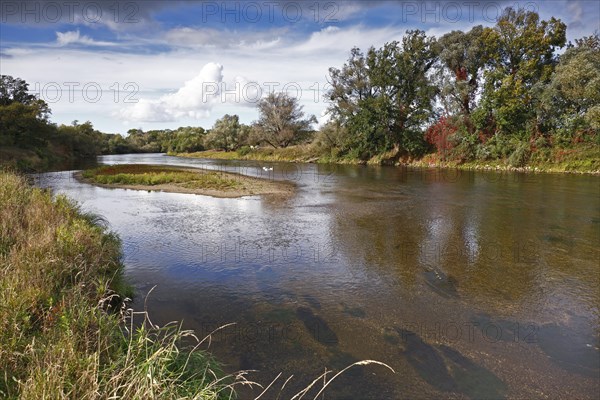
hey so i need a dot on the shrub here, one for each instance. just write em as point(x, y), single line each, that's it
point(244, 150)
point(520, 155)
point(439, 135)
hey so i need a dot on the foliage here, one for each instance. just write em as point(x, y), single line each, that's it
point(24, 125)
point(440, 134)
point(80, 140)
point(227, 134)
point(281, 121)
point(385, 97)
point(462, 56)
point(332, 136)
point(570, 102)
point(244, 150)
point(520, 155)
point(183, 139)
point(519, 52)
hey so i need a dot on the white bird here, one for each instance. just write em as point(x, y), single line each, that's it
point(267, 169)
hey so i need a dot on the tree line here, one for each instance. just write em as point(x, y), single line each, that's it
point(490, 93)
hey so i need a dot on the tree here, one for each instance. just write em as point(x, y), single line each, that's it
point(23, 117)
point(227, 134)
point(281, 122)
point(520, 55)
point(81, 140)
point(185, 140)
point(400, 74)
point(332, 135)
point(349, 86)
point(15, 90)
point(21, 126)
point(462, 56)
point(571, 100)
point(385, 97)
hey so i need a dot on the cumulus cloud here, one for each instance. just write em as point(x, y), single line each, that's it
point(195, 99)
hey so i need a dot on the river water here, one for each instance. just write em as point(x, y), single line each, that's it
point(468, 284)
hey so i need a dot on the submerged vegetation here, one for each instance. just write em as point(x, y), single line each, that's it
point(62, 321)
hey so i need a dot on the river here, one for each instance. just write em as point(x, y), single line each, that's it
point(468, 284)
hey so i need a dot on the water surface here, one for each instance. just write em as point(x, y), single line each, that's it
point(469, 284)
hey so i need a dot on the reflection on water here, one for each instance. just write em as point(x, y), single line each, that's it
point(469, 285)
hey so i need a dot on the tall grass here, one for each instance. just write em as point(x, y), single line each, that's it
point(62, 334)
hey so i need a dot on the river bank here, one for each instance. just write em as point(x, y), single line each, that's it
point(183, 180)
point(584, 159)
point(65, 331)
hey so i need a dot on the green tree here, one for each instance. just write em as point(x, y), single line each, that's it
point(462, 57)
point(350, 85)
point(23, 116)
point(15, 90)
point(22, 125)
point(520, 54)
point(386, 97)
point(400, 74)
point(332, 136)
point(571, 100)
point(282, 122)
point(187, 140)
point(81, 140)
point(226, 134)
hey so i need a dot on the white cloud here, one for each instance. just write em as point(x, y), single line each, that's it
point(302, 62)
point(223, 39)
point(194, 99)
point(75, 37)
point(339, 41)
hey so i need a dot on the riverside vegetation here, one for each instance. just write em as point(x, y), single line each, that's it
point(62, 322)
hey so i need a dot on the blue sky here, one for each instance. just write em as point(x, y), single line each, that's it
point(164, 64)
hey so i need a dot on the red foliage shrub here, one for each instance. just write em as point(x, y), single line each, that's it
point(438, 135)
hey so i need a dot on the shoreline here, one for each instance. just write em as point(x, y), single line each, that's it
point(250, 186)
point(491, 166)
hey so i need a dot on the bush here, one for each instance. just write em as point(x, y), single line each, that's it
point(440, 136)
point(520, 155)
point(244, 150)
point(464, 144)
point(499, 146)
